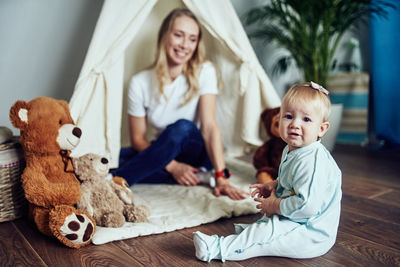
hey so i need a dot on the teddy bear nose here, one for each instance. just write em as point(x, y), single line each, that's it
point(104, 160)
point(77, 132)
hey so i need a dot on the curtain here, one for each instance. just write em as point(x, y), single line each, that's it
point(385, 71)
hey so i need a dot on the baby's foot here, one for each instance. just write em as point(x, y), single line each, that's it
point(206, 246)
point(206, 177)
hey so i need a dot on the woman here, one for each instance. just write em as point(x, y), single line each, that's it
point(176, 93)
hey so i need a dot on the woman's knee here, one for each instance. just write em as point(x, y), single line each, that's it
point(183, 127)
point(181, 130)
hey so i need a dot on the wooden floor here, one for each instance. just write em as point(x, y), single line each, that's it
point(369, 231)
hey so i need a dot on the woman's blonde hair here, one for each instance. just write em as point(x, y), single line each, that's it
point(191, 69)
point(307, 95)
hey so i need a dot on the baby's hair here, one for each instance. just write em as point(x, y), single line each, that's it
point(306, 94)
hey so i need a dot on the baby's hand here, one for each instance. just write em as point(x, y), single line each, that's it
point(263, 190)
point(270, 205)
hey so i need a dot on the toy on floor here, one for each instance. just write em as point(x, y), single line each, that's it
point(109, 202)
point(48, 133)
point(268, 157)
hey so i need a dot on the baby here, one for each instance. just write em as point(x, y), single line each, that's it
point(302, 207)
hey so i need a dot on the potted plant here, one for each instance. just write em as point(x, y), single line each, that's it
point(310, 29)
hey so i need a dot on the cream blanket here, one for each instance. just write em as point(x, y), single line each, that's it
point(174, 207)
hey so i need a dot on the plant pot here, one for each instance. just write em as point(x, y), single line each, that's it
point(352, 91)
point(335, 120)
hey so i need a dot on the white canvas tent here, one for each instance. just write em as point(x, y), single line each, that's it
point(124, 43)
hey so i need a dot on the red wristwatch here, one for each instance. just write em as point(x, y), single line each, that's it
point(225, 173)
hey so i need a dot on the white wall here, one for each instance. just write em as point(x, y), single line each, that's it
point(266, 53)
point(42, 47)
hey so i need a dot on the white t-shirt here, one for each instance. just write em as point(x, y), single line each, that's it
point(144, 98)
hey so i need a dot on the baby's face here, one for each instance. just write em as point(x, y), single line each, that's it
point(301, 124)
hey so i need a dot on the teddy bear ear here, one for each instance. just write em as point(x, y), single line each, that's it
point(19, 114)
point(269, 112)
point(264, 114)
point(65, 106)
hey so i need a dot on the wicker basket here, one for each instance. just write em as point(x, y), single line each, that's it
point(12, 199)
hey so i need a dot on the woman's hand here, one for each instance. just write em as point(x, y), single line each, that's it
point(183, 174)
point(263, 190)
point(270, 205)
point(224, 188)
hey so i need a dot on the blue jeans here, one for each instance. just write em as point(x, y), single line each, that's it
point(181, 141)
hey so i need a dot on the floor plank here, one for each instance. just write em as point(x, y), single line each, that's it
point(351, 250)
point(373, 229)
point(371, 208)
point(161, 250)
point(54, 253)
point(15, 250)
point(354, 186)
point(391, 198)
point(375, 167)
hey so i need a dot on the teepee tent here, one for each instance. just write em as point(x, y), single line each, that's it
point(124, 42)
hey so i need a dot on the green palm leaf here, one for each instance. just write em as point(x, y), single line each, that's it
point(311, 29)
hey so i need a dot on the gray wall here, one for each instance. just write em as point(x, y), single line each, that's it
point(43, 44)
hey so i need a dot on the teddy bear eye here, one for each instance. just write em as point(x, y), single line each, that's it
point(60, 122)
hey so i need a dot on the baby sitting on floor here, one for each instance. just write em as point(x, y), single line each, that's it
point(302, 207)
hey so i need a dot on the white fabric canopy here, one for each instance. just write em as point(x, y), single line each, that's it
point(124, 43)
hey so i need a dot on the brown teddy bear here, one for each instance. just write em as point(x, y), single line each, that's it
point(47, 135)
point(268, 157)
point(109, 202)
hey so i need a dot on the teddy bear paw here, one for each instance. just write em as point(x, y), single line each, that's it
point(136, 213)
point(112, 219)
point(78, 229)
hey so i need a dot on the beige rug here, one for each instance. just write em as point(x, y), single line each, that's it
point(174, 207)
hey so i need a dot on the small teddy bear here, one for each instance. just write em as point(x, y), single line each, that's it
point(109, 202)
point(268, 157)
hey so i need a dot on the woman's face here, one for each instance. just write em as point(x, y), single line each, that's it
point(182, 40)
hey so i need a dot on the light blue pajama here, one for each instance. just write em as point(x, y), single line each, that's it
point(310, 185)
